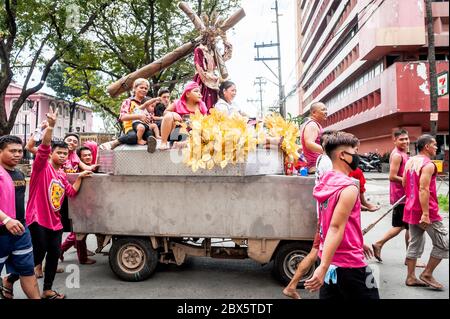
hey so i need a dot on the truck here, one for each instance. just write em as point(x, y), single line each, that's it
point(153, 209)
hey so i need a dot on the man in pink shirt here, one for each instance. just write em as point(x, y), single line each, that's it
point(16, 251)
point(422, 213)
point(342, 273)
point(310, 137)
point(397, 162)
point(48, 188)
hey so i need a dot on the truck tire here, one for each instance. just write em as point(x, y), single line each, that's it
point(287, 258)
point(132, 259)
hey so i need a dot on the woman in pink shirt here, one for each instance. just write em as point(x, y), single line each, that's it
point(189, 103)
point(342, 248)
point(48, 188)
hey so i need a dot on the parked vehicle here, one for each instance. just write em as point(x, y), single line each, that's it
point(369, 162)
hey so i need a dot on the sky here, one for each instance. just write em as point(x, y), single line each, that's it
point(257, 27)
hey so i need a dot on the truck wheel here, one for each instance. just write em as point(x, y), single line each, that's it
point(132, 259)
point(287, 258)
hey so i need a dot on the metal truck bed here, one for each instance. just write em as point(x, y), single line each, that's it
point(270, 207)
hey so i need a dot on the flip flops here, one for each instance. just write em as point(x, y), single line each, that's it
point(4, 290)
point(56, 295)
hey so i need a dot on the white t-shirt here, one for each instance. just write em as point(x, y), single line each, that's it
point(226, 107)
point(323, 165)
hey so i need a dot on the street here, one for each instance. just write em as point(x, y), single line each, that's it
point(206, 278)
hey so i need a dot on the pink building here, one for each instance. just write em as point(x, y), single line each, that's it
point(33, 113)
point(367, 60)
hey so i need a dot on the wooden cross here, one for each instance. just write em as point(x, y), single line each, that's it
point(126, 82)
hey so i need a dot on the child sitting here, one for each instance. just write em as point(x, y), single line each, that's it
point(140, 127)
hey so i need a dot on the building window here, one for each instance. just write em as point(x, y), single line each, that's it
point(84, 116)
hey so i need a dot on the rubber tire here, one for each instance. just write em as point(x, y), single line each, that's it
point(150, 258)
point(278, 270)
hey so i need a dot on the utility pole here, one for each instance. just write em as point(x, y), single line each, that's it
point(282, 102)
point(260, 82)
point(432, 74)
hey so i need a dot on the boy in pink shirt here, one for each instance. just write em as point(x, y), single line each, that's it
point(422, 213)
point(342, 250)
point(48, 188)
point(16, 251)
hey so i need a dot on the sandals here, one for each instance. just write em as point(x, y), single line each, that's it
point(56, 295)
point(4, 290)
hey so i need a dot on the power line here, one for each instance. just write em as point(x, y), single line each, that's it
point(359, 16)
point(298, 84)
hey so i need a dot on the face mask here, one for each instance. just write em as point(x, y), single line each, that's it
point(355, 161)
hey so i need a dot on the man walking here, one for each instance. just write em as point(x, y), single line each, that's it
point(342, 273)
point(422, 213)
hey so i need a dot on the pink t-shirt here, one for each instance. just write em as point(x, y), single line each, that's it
point(396, 190)
point(350, 253)
point(71, 164)
point(413, 210)
point(47, 190)
point(311, 157)
point(7, 194)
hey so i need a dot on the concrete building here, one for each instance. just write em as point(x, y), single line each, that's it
point(33, 113)
point(367, 60)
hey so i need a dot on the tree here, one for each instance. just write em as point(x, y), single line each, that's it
point(57, 80)
point(34, 34)
point(128, 35)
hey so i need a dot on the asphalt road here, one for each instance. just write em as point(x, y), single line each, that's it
point(242, 279)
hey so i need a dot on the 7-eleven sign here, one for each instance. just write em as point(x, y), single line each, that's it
point(442, 83)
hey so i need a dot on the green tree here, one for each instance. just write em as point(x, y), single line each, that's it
point(34, 34)
point(128, 35)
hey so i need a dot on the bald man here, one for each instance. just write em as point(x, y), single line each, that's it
point(312, 130)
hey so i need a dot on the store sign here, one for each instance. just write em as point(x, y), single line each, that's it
point(442, 83)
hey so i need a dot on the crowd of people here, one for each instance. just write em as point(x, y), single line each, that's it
point(339, 192)
point(28, 236)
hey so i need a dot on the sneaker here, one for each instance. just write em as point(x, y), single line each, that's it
point(151, 144)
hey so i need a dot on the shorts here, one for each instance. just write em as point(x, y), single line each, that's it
point(397, 217)
point(135, 124)
point(16, 252)
point(351, 283)
point(439, 237)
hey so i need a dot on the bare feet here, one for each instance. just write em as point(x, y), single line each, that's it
point(90, 253)
point(377, 252)
point(141, 142)
point(414, 282)
point(109, 145)
point(429, 280)
point(291, 293)
point(88, 261)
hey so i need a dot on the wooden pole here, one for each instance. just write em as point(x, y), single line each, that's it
point(126, 82)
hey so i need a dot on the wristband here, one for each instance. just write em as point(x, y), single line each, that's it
point(6, 220)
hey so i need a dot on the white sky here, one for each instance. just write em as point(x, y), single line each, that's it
point(258, 26)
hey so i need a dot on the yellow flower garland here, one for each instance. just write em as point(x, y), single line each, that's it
point(219, 139)
point(279, 127)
